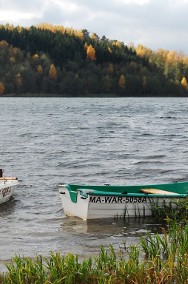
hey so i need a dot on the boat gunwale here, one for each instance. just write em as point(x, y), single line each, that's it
point(85, 192)
point(75, 187)
point(119, 194)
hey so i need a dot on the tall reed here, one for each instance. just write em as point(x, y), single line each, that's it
point(157, 258)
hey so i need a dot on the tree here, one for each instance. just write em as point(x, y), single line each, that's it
point(2, 88)
point(144, 83)
point(122, 82)
point(39, 69)
point(19, 83)
point(85, 34)
point(106, 84)
point(91, 53)
point(94, 36)
point(52, 72)
point(143, 51)
point(110, 68)
point(184, 83)
point(35, 56)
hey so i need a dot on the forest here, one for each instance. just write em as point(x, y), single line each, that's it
point(47, 60)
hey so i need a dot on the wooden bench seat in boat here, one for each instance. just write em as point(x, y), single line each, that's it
point(157, 191)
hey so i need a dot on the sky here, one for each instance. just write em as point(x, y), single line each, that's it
point(152, 23)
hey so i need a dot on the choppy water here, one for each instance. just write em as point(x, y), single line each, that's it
point(47, 141)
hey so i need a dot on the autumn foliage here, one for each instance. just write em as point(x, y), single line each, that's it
point(121, 81)
point(2, 88)
point(49, 59)
point(184, 83)
point(52, 72)
point(91, 53)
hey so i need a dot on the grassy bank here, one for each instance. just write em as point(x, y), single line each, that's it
point(156, 259)
point(159, 258)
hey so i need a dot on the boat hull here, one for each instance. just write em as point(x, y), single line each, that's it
point(7, 188)
point(88, 204)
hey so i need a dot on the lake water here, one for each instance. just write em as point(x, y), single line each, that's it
point(47, 141)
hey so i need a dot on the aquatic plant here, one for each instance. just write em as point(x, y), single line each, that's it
point(175, 209)
point(157, 258)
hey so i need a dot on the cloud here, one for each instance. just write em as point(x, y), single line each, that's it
point(153, 23)
point(132, 2)
point(20, 5)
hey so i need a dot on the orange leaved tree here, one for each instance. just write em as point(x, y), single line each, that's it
point(2, 88)
point(91, 53)
point(52, 72)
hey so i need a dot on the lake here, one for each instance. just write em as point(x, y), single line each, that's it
point(48, 141)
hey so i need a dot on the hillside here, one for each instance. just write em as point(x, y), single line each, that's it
point(53, 60)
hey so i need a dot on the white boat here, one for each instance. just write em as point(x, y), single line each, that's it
point(106, 201)
point(7, 187)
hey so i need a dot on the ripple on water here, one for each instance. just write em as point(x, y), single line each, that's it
point(47, 141)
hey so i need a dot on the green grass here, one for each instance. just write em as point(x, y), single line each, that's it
point(157, 258)
point(165, 261)
point(176, 209)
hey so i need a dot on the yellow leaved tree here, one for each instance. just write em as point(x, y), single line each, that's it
point(35, 56)
point(184, 83)
point(39, 69)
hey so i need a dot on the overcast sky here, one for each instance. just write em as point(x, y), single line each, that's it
point(152, 23)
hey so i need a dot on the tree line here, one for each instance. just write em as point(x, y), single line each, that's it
point(56, 61)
